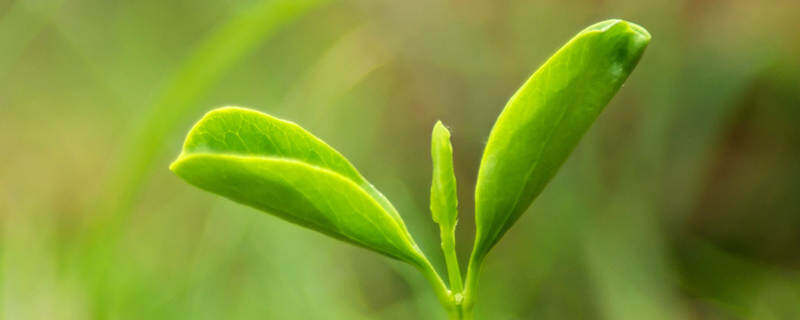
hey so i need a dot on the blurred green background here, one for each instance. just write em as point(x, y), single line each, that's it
point(682, 202)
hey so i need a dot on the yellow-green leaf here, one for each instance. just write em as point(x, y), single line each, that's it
point(544, 120)
point(278, 167)
point(444, 201)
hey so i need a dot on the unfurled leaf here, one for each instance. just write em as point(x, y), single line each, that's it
point(278, 167)
point(444, 201)
point(544, 120)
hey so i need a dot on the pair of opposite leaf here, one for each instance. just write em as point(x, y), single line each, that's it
point(280, 168)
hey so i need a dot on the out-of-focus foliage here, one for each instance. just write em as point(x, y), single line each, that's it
point(679, 203)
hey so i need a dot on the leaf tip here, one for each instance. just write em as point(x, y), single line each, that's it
point(639, 32)
point(440, 130)
point(175, 164)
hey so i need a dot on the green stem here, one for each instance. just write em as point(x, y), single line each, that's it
point(466, 314)
point(455, 314)
point(452, 303)
point(442, 293)
point(460, 313)
point(451, 259)
point(473, 272)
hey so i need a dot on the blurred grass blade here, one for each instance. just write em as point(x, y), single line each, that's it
point(624, 243)
point(278, 167)
point(350, 60)
point(19, 25)
point(544, 121)
point(210, 60)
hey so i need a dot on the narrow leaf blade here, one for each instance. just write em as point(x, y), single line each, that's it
point(444, 201)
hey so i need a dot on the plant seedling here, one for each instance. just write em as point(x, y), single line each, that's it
point(279, 168)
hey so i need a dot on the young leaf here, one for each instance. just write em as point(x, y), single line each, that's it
point(278, 167)
point(546, 118)
point(444, 201)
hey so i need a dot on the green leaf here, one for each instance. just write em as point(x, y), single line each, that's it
point(278, 167)
point(444, 201)
point(544, 120)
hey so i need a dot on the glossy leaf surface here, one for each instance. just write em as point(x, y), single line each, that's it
point(280, 168)
point(544, 120)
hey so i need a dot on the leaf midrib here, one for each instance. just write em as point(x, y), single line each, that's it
point(237, 156)
point(545, 146)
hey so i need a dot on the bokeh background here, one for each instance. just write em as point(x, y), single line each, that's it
point(682, 202)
